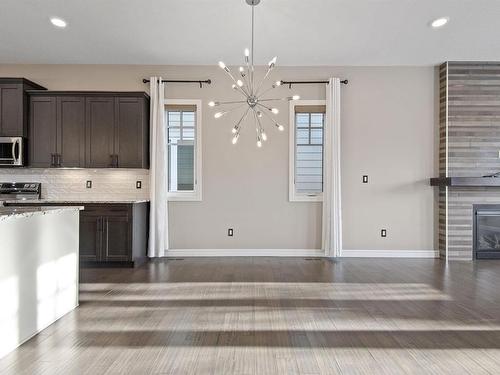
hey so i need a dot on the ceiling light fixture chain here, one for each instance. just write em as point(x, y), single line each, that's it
point(245, 85)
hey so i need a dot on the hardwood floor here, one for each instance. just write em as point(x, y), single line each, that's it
point(276, 316)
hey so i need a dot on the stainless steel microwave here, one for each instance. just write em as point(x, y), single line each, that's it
point(11, 151)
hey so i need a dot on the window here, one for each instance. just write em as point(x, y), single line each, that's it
point(307, 121)
point(183, 122)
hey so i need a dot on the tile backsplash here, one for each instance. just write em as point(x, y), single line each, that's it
point(71, 184)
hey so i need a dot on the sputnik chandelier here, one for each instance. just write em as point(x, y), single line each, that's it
point(255, 102)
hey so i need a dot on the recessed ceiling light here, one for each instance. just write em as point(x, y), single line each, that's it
point(440, 22)
point(58, 22)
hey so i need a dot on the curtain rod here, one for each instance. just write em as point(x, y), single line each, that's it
point(290, 83)
point(207, 81)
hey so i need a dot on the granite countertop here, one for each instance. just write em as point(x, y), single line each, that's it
point(15, 212)
point(73, 201)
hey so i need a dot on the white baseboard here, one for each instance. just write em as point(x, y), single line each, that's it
point(245, 253)
point(390, 254)
point(184, 253)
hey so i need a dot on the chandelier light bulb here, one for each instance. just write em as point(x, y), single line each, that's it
point(277, 83)
point(247, 52)
point(220, 114)
point(259, 143)
point(235, 139)
point(296, 97)
point(234, 130)
point(239, 82)
point(264, 136)
point(280, 127)
point(259, 113)
point(234, 87)
point(275, 110)
point(222, 65)
point(272, 63)
point(242, 70)
point(211, 104)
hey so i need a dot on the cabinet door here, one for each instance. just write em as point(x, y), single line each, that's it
point(117, 242)
point(129, 132)
point(90, 236)
point(43, 131)
point(99, 128)
point(71, 131)
point(11, 110)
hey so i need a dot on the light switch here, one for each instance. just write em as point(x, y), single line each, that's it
point(383, 233)
point(89, 184)
point(365, 179)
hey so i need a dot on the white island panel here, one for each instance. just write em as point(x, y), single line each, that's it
point(38, 271)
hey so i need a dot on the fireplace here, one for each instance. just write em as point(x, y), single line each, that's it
point(486, 240)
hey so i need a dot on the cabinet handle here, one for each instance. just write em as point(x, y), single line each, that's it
point(58, 159)
point(52, 160)
point(114, 160)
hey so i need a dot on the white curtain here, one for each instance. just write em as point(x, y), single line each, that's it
point(332, 218)
point(158, 217)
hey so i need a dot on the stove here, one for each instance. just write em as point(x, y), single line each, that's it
point(20, 191)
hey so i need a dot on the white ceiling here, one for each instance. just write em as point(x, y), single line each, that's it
point(202, 32)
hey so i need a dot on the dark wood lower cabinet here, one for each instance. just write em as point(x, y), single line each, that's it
point(111, 234)
point(90, 236)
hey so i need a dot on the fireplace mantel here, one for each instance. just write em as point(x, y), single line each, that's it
point(466, 181)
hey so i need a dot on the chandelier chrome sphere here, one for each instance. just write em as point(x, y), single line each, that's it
point(255, 102)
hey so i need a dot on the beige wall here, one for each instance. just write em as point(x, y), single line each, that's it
point(387, 132)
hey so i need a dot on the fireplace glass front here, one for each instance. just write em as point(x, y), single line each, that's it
point(486, 231)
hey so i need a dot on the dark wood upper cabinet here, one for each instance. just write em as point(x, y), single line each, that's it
point(56, 132)
point(11, 113)
point(70, 132)
point(43, 131)
point(93, 130)
point(100, 122)
point(131, 132)
point(14, 106)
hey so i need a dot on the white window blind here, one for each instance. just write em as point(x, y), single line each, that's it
point(181, 125)
point(307, 145)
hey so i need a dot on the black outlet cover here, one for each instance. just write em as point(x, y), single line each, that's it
point(383, 233)
point(138, 184)
point(365, 179)
point(230, 232)
point(89, 184)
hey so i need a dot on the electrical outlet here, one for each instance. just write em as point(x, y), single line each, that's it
point(365, 179)
point(383, 233)
point(88, 184)
point(230, 232)
point(138, 184)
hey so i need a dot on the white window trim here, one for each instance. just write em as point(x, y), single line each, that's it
point(293, 196)
point(196, 195)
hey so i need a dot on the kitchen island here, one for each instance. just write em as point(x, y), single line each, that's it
point(38, 271)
